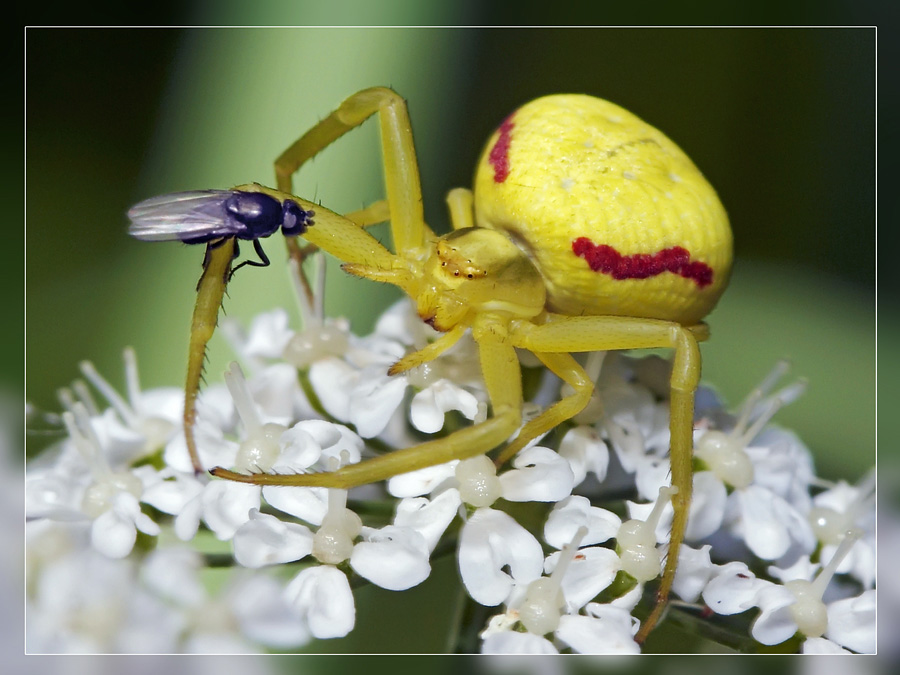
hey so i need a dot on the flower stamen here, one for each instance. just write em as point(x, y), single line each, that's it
point(333, 542)
point(543, 603)
point(125, 411)
point(260, 449)
point(809, 612)
point(636, 541)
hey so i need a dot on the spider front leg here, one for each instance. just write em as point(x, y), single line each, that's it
point(595, 333)
point(401, 170)
point(373, 214)
point(210, 291)
point(503, 380)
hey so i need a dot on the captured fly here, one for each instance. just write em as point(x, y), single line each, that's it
point(209, 216)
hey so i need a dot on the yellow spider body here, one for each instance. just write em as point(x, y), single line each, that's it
point(567, 167)
point(594, 232)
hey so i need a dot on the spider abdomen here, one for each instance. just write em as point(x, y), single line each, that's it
point(615, 216)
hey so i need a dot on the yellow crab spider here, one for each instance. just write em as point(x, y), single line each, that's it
point(588, 230)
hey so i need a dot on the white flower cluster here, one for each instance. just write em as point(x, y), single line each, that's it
point(118, 521)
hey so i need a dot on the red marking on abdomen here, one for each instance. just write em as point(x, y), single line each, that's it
point(499, 154)
point(606, 259)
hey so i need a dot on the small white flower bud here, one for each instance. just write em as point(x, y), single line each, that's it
point(315, 343)
point(260, 450)
point(540, 608)
point(809, 612)
point(99, 496)
point(333, 542)
point(478, 482)
point(726, 458)
point(830, 525)
point(827, 524)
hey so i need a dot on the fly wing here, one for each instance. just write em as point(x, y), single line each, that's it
point(191, 217)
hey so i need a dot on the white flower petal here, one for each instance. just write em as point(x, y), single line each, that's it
point(214, 449)
point(733, 589)
point(54, 496)
point(121, 444)
point(268, 335)
point(707, 506)
point(822, 646)
point(491, 541)
point(775, 623)
point(215, 408)
point(346, 446)
point(651, 474)
point(400, 322)
point(694, 571)
point(165, 403)
point(540, 475)
point(593, 569)
point(173, 574)
point(429, 517)
point(264, 614)
point(395, 558)
point(511, 642)
point(609, 631)
point(803, 568)
point(429, 406)
point(586, 453)
point(630, 599)
point(784, 465)
point(170, 496)
point(851, 622)
point(151, 627)
point(187, 522)
point(422, 481)
point(322, 596)
point(373, 400)
point(276, 392)
point(574, 512)
point(146, 524)
point(309, 504)
point(113, 534)
point(331, 379)
point(299, 450)
point(769, 524)
point(266, 540)
point(226, 506)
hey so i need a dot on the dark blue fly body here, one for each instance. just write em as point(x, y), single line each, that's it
point(205, 216)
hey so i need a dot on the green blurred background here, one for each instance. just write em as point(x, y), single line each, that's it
point(781, 121)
